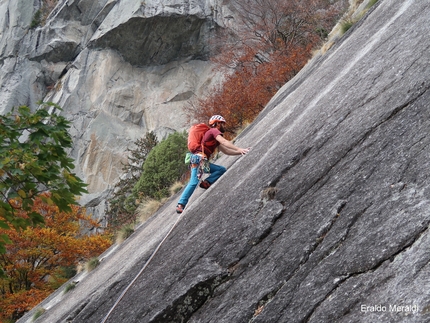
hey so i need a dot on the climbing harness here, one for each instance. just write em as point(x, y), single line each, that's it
point(204, 168)
point(141, 271)
point(200, 161)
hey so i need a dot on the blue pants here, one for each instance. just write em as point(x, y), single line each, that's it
point(216, 172)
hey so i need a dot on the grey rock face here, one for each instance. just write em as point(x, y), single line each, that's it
point(117, 68)
point(157, 40)
point(325, 220)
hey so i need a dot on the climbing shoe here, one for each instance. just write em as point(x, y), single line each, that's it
point(205, 185)
point(179, 208)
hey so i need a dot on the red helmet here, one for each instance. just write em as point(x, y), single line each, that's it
point(216, 118)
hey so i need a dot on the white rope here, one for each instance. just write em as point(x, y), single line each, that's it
point(141, 271)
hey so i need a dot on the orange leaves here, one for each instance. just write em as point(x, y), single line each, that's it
point(248, 89)
point(274, 43)
point(36, 259)
point(93, 245)
point(14, 305)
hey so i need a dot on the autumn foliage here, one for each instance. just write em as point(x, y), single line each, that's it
point(34, 159)
point(275, 42)
point(39, 258)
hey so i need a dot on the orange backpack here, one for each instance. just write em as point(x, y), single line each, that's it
point(195, 136)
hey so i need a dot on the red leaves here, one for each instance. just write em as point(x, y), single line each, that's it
point(35, 260)
point(274, 45)
point(248, 89)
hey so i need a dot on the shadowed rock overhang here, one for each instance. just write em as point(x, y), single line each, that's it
point(158, 40)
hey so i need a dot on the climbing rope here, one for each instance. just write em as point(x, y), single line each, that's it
point(141, 271)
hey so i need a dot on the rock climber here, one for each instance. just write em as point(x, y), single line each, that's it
point(212, 139)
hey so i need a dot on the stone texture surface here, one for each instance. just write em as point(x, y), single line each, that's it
point(325, 220)
point(117, 68)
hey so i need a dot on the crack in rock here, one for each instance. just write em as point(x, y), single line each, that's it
point(342, 279)
point(183, 307)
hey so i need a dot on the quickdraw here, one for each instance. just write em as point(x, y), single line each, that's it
point(204, 168)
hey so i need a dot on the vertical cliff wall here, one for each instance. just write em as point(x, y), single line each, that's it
point(325, 220)
point(117, 68)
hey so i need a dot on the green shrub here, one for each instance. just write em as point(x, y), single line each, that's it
point(346, 24)
point(37, 19)
point(57, 278)
point(38, 313)
point(123, 233)
point(69, 287)
point(371, 3)
point(69, 272)
point(92, 264)
point(163, 166)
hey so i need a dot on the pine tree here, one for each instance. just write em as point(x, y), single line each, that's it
point(119, 213)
